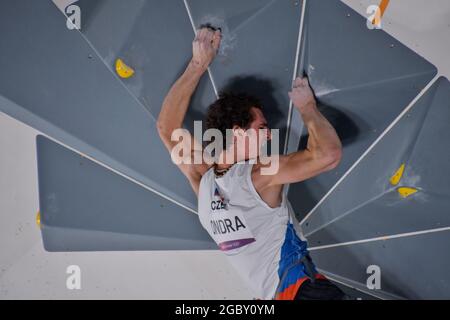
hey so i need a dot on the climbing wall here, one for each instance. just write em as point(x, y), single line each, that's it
point(106, 182)
point(89, 208)
point(392, 210)
point(363, 80)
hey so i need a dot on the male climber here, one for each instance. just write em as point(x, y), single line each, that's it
point(245, 211)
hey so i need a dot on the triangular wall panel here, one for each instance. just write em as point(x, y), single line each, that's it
point(53, 80)
point(85, 207)
point(367, 205)
point(363, 80)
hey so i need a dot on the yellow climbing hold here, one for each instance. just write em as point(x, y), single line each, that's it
point(395, 179)
point(406, 191)
point(38, 219)
point(123, 70)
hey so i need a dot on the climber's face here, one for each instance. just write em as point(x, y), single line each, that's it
point(249, 141)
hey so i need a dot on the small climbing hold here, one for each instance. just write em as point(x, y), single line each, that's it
point(210, 27)
point(406, 191)
point(38, 219)
point(123, 70)
point(395, 179)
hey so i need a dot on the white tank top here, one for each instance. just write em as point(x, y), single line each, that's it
point(259, 241)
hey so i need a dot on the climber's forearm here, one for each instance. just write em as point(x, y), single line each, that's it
point(323, 140)
point(324, 146)
point(177, 101)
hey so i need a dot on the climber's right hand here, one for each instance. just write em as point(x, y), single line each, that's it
point(302, 95)
point(205, 47)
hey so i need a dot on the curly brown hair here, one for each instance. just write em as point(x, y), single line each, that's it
point(229, 110)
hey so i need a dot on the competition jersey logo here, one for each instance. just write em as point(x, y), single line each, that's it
point(217, 194)
point(219, 203)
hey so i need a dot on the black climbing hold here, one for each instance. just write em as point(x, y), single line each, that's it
point(210, 27)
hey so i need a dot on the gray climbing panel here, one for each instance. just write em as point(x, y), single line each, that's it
point(414, 267)
point(363, 80)
point(262, 66)
point(155, 39)
point(85, 207)
point(258, 50)
point(60, 86)
point(367, 204)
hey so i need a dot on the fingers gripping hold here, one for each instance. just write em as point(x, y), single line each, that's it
point(300, 82)
point(206, 45)
point(301, 93)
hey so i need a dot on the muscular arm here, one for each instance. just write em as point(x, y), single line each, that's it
point(177, 101)
point(323, 151)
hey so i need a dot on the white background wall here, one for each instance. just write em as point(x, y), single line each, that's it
point(27, 271)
